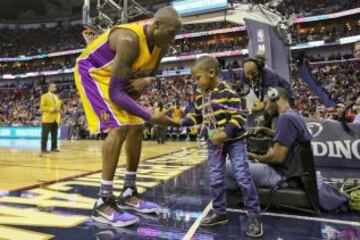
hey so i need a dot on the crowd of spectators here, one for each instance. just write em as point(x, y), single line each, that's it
point(27, 42)
point(331, 57)
point(45, 64)
point(340, 81)
point(188, 47)
point(307, 7)
point(310, 7)
point(181, 49)
point(34, 41)
point(328, 32)
point(20, 103)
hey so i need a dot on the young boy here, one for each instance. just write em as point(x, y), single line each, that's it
point(218, 108)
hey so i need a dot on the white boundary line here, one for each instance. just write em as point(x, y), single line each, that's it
point(196, 224)
point(315, 219)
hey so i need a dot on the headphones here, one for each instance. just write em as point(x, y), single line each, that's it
point(259, 64)
point(273, 94)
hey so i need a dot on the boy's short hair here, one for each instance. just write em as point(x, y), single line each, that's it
point(207, 62)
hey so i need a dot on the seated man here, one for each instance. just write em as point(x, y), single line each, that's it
point(271, 169)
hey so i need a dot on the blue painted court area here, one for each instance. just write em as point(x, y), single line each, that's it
point(31, 144)
point(179, 183)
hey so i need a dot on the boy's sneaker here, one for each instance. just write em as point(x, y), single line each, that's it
point(106, 211)
point(213, 219)
point(255, 228)
point(133, 202)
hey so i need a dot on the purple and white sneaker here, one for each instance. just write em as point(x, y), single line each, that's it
point(108, 212)
point(139, 205)
point(129, 200)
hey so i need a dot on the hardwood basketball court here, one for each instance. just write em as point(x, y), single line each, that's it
point(21, 168)
point(52, 197)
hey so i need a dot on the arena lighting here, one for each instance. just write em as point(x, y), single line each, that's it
point(275, 3)
point(111, 12)
point(239, 12)
point(190, 7)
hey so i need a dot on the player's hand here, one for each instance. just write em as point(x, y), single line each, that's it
point(163, 119)
point(136, 87)
point(219, 138)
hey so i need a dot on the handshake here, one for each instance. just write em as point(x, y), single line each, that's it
point(164, 120)
point(216, 137)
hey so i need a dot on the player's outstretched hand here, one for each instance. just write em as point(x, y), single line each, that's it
point(164, 120)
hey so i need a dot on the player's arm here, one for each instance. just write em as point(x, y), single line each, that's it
point(126, 45)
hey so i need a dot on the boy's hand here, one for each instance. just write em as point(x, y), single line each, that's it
point(219, 138)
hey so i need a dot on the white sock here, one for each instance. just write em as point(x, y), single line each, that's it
point(106, 188)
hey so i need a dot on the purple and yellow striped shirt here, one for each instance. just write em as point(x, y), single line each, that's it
point(212, 109)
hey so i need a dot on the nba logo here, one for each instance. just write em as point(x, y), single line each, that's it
point(260, 36)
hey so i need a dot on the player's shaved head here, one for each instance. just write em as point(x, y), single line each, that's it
point(165, 26)
point(168, 14)
point(206, 63)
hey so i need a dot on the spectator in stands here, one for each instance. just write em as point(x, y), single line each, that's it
point(176, 114)
point(357, 116)
point(321, 112)
point(339, 111)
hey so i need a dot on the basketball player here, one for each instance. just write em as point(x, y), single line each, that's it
point(112, 71)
